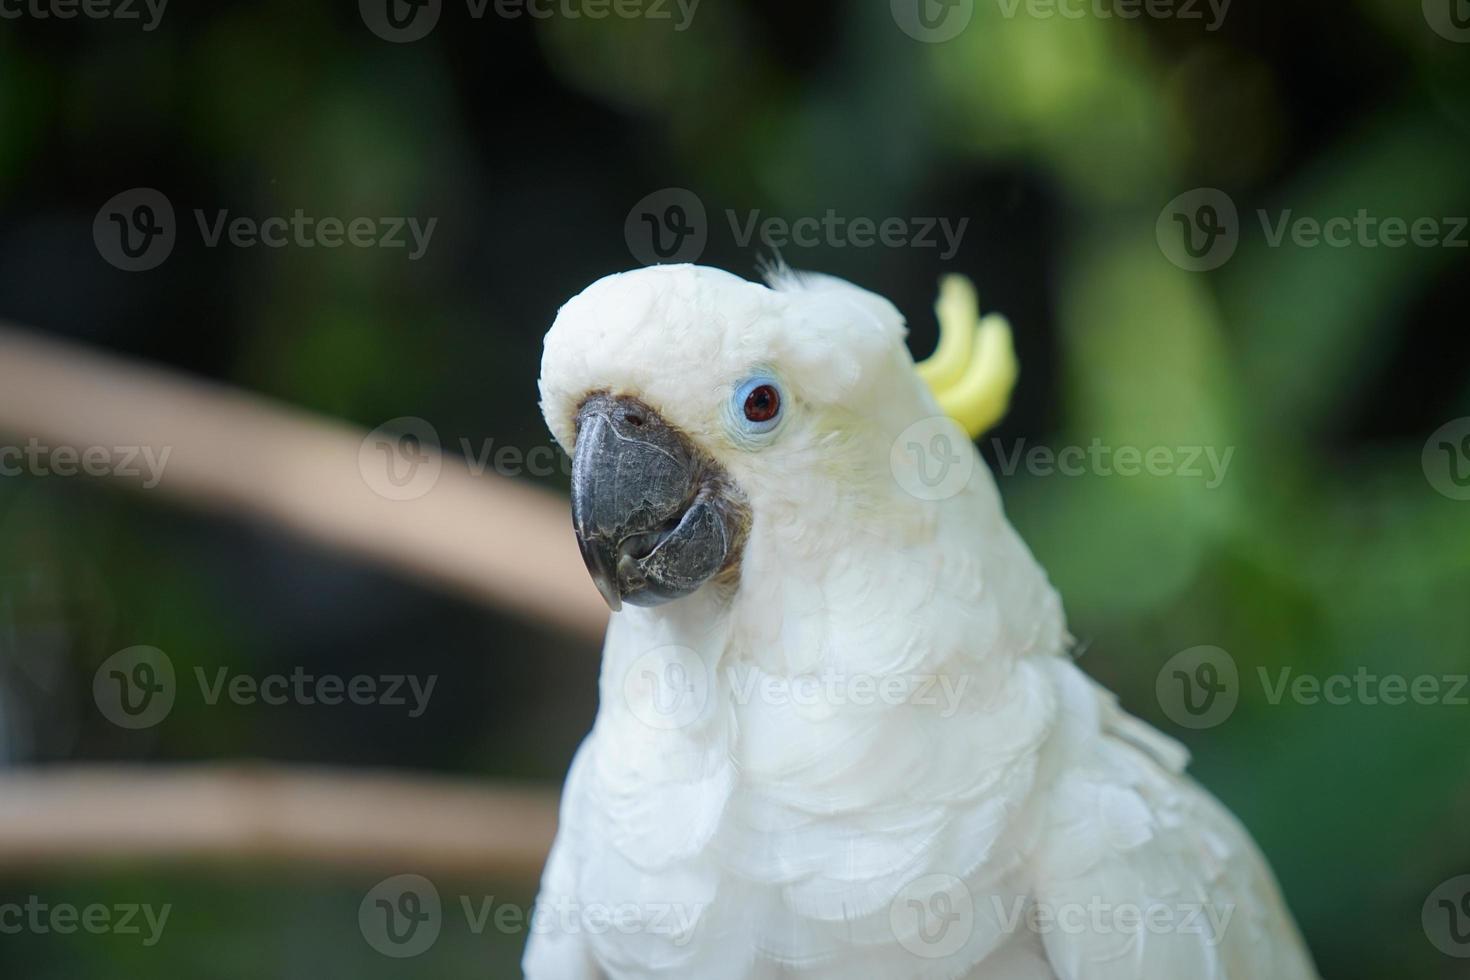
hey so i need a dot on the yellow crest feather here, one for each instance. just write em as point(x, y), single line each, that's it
point(973, 370)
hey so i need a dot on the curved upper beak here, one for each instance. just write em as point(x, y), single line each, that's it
point(655, 517)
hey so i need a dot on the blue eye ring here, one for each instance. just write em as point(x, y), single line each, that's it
point(757, 405)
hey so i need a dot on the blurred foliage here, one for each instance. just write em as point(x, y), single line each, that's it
point(1325, 370)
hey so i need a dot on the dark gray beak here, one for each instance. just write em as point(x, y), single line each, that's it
point(655, 517)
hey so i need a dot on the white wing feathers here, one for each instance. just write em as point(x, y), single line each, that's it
point(1143, 874)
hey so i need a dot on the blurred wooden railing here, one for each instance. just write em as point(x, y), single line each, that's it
point(378, 823)
point(490, 538)
point(494, 539)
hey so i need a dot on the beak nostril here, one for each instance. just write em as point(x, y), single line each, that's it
point(633, 419)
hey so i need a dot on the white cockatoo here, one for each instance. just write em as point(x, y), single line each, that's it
point(840, 734)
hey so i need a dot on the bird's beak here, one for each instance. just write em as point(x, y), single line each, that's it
point(655, 517)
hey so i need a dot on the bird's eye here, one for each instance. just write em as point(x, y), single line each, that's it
point(762, 404)
point(756, 405)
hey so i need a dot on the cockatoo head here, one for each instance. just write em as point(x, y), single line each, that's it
point(709, 417)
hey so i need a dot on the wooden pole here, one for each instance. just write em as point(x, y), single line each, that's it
point(369, 822)
point(492, 538)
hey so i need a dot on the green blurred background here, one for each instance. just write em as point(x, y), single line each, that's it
point(1061, 140)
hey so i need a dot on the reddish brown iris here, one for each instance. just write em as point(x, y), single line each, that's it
point(762, 404)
